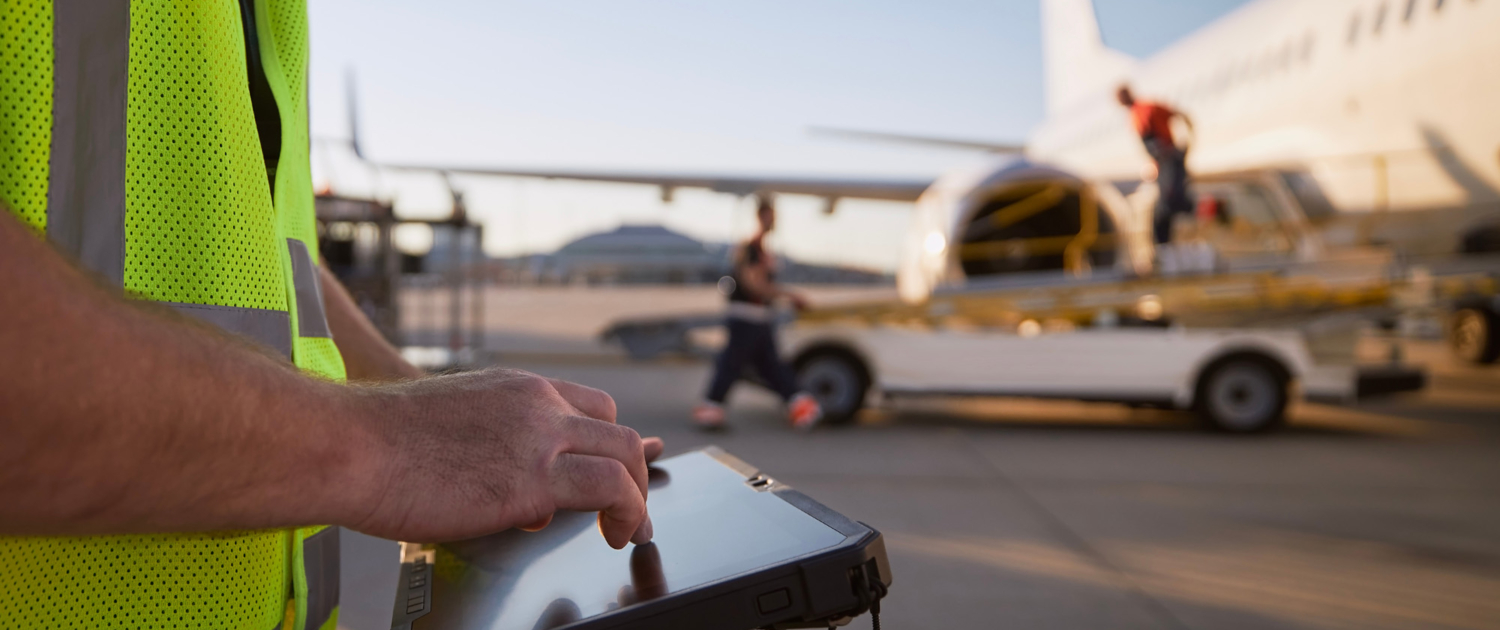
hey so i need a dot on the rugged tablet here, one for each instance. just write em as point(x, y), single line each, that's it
point(734, 550)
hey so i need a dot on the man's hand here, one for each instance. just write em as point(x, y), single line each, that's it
point(470, 454)
point(121, 417)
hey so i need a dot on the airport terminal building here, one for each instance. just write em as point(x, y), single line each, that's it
point(653, 254)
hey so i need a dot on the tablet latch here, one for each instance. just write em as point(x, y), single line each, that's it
point(760, 482)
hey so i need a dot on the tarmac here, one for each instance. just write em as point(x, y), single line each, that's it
point(1010, 513)
point(1017, 513)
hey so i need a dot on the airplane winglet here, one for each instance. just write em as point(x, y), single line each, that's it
point(351, 101)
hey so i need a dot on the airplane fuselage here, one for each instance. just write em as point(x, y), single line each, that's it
point(1391, 106)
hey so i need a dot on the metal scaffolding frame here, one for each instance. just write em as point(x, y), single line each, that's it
point(357, 241)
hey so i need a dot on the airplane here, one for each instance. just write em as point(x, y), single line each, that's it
point(1378, 114)
point(1388, 106)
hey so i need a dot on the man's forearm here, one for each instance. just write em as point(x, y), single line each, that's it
point(367, 355)
point(759, 285)
point(120, 418)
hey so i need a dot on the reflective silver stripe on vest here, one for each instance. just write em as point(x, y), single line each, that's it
point(269, 328)
point(86, 184)
point(311, 320)
point(320, 563)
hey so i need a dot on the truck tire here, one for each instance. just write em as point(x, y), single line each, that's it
point(1472, 335)
point(837, 379)
point(1242, 394)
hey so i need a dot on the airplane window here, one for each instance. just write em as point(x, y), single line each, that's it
point(1380, 18)
point(1253, 208)
point(1315, 204)
point(1247, 221)
point(1354, 28)
point(1411, 9)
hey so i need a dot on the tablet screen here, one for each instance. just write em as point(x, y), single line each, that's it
point(709, 525)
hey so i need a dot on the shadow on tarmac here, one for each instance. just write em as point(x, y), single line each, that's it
point(1047, 416)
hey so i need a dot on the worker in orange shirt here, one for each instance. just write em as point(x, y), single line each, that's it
point(1153, 123)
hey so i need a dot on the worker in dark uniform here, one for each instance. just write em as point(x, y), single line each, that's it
point(752, 332)
point(1153, 123)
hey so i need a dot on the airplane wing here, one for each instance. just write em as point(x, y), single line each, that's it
point(831, 188)
point(966, 144)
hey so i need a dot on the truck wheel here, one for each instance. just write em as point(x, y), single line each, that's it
point(1472, 335)
point(837, 380)
point(1244, 394)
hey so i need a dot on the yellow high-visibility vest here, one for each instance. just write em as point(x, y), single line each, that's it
point(164, 145)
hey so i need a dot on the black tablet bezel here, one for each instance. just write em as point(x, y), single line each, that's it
point(805, 591)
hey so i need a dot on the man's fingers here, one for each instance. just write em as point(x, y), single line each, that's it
point(587, 436)
point(586, 483)
point(653, 446)
point(537, 526)
point(587, 400)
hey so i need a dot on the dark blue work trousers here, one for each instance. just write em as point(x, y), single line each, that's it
point(751, 344)
point(1171, 184)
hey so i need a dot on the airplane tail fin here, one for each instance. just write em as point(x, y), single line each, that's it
point(1077, 63)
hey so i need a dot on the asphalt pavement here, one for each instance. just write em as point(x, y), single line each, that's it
point(1023, 514)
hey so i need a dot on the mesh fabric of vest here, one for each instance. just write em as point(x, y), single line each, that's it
point(282, 27)
point(284, 58)
point(25, 107)
point(199, 224)
point(200, 228)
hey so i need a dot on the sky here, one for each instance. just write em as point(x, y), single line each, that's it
point(677, 86)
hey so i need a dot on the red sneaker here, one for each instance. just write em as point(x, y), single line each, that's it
point(709, 416)
point(803, 412)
